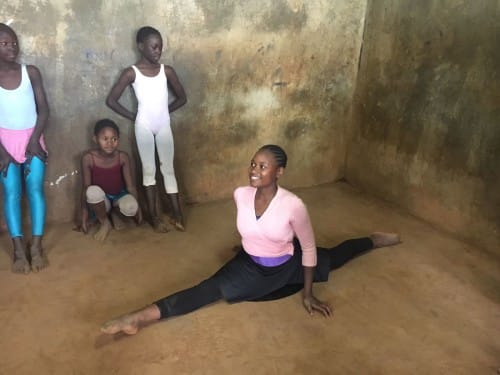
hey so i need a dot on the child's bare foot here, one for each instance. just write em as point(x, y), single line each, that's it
point(178, 224)
point(159, 226)
point(103, 231)
point(38, 260)
point(128, 324)
point(117, 220)
point(381, 239)
point(21, 265)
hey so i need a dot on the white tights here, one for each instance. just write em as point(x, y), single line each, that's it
point(164, 142)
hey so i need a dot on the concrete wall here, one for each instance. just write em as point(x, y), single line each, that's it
point(255, 72)
point(426, 131)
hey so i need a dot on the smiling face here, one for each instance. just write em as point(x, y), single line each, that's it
point(264, 171)
point(107, 140)
point(9, 47)
point(151, 48)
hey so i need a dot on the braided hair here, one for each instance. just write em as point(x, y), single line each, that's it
point(278, 153)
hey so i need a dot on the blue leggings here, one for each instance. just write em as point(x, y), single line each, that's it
point(33, 172)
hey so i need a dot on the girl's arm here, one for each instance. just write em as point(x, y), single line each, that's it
point(177, 88)
point(129, 182)
point(112, 101)
point(34, 148)
point(5, 160)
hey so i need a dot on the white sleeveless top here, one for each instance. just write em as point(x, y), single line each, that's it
point(18, 106)
point(152, 98)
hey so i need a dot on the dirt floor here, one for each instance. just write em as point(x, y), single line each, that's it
point(430, 305)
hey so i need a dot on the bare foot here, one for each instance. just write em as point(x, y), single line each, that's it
point(21, 265)
point(38, 260)
point(117, 220)
point(178, 224)
point(159, 226)
point(381, 239)
point(103, 231)
point(128, 324)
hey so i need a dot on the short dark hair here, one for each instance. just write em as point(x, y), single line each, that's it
point(4, 28)
point(145, 32)
point(278, 153)
point(106, 123)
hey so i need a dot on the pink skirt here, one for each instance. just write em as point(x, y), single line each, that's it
point(15, 142)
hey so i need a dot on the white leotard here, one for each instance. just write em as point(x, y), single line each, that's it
point(152, 127)
point(152, 97)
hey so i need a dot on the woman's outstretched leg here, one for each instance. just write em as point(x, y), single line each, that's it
point(179, 303)
point(347, 250)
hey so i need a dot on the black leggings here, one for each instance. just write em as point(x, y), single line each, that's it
point(347, 250)
point(208, 291)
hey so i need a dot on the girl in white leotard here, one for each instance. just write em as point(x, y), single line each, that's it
point(149, 80)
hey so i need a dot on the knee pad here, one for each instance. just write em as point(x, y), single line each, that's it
point(95, 194)
point(128, 205)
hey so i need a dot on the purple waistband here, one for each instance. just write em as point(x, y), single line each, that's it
point(270, 261)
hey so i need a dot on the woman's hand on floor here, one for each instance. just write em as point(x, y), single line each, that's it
point(311, 304)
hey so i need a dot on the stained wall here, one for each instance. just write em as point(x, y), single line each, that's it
point(255, 72)
point(425, 130)
point(420, 131)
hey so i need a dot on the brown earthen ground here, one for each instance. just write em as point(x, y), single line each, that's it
point(430, 305)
